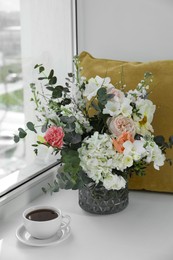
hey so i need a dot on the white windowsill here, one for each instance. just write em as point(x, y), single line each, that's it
point(18, 193)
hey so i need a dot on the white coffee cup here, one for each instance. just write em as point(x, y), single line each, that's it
point(43, 222)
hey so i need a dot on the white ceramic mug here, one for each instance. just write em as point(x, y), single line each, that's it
point(42, 226)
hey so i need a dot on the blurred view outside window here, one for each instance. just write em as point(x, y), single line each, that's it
point(11, 88)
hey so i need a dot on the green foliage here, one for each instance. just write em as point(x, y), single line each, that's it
point(71, 160)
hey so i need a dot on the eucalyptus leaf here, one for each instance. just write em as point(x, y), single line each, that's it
point(68, 119)
point(36, 151)
point(53, 80)
point(70, 75)
point(16, 138)
point(73, 138)
point(160, 140)
point(57, 92)
point(42, 78)
point(41, 69)
point(70, 127)
point(44, 128)
point(102, 96)
point(37, 65)
point(22, 133)
point(50, 88)
point(51, 74)
point(95, 106)
point(65, 101)
point(31, 127)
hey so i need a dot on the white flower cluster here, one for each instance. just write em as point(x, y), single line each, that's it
point(147, 150)
point(98, 158)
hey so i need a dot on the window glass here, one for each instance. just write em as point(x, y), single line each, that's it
point(24, 27)
point(11, 87)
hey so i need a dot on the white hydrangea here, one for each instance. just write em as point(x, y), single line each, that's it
point(114, 182)
point(98, 159)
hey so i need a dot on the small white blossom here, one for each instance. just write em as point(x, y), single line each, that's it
point(94, 84)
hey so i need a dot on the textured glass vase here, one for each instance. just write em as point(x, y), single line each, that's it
point(98, 200)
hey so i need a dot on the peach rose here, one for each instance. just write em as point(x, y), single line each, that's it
point(120, 124)
point(54, 136)
point(118, 143)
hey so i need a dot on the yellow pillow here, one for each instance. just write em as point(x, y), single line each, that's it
point(162, 97)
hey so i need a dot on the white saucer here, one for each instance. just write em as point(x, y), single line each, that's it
point(24, 237)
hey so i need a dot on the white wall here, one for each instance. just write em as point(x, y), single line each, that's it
point(47, 37)
point(126, 29)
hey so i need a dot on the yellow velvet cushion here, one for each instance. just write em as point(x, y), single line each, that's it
point(162, 97)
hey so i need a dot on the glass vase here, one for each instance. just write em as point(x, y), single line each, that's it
point(98, 200)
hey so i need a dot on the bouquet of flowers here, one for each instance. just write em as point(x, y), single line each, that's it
point(102, 132)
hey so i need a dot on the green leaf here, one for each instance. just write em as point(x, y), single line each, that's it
point(41, 78)
point(41, 69)
point(110, 96)
point(36, 151)
point(70, 127)
point(51, 74)
point(31, 127)
point(95, 106)
point(72, 137)
point(50, 88)
point(160, 140)
point(16, 138)
point(44, 128)
point(53, 80)
point(22, 133)
point(68, 119)
point(65, 101)
point(37, 65)
point(57, 92)
point(32, 85)
point(102, 96)
point(70, 75)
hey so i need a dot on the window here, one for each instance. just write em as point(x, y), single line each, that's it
point(11, 87)
point(36, 40)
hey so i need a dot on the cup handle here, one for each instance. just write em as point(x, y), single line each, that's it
point(66, 223)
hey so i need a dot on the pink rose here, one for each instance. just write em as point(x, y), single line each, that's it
point(120, 124)
point(118, 94)
point(54, 136)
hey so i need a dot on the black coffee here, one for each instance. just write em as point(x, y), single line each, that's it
point(42, 215)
